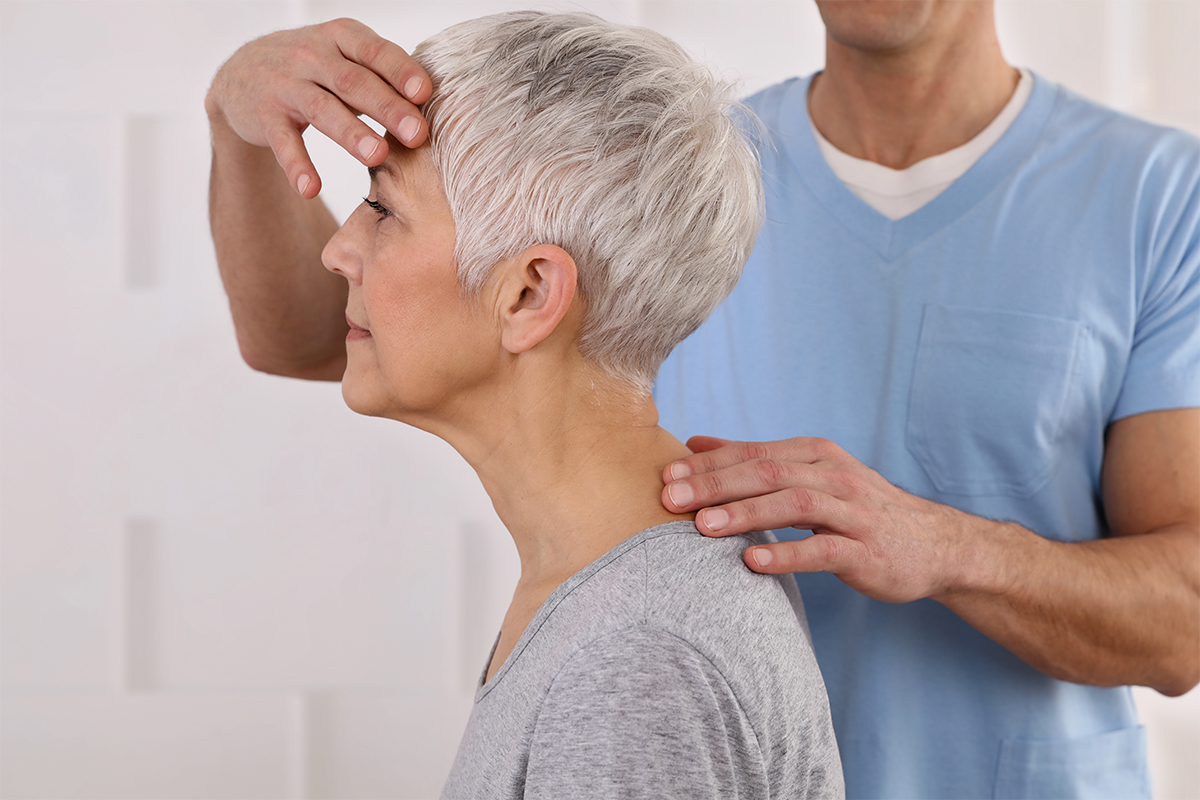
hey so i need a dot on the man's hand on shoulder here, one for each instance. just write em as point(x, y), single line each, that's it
point(1117, 610)
point(877, 538)
point(323, 75)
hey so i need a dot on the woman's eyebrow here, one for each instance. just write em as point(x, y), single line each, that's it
point(384, 167)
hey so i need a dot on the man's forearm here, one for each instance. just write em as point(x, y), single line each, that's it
point(289, 311)
point(1119, 610)
point(1116, 611)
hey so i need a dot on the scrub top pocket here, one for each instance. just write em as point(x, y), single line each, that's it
point(1109, 765)
point(989, 394)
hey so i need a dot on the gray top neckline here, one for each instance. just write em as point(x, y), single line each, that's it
point(563, 591)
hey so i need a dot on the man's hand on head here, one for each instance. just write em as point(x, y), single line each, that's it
point(878, 539)
point(323, 75)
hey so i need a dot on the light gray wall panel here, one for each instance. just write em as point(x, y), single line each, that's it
point(152, 746)
point(374, 744)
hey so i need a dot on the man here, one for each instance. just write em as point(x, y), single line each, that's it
point(1022, 347)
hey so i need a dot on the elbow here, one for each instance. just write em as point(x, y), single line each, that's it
point(1180, 665)
point(328, 368)
point(1177, 669)
point(1180, 677)
point(259, 360)
point(256, 359)
point(1177, 689)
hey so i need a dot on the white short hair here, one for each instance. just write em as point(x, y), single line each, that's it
point(605, 140)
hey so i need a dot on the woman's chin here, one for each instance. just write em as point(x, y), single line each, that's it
point(370, 403)
point(361, 401)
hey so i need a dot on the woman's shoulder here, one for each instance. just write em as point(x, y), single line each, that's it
point(680, 567)
point(674, 580)
point(692, 632)
point(700, 588)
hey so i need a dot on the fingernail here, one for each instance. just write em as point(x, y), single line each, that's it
point(680, 470)
point(367, 147)
point(412, 87)
point(408, 128)
point(762, 556)
point(681, 494)
point(714, 518)
point(302, 184)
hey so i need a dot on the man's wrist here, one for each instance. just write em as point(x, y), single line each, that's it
point(222, 132)
point(985, 557)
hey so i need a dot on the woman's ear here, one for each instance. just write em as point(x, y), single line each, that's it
point(536, 291)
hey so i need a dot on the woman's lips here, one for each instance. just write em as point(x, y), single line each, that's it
point(356, 331)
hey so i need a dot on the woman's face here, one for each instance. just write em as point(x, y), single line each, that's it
point(416, 344)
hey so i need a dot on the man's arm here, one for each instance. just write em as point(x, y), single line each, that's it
point(1120, 610)
point(288, 310)
point(269, 232)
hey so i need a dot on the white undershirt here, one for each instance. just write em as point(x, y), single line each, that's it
point(896, 193)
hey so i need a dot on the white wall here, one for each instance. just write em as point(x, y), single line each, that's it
point(219, 584)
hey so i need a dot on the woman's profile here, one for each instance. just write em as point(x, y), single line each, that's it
point(585, 201)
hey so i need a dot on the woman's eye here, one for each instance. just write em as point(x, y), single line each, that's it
point(377, 207)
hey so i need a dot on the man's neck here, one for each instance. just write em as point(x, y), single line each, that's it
point(899, 106)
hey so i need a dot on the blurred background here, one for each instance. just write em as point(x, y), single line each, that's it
point(218, 584)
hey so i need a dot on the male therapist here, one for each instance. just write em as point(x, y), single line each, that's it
point(973, 285)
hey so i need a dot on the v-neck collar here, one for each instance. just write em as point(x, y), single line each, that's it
point(483, 687)
point(892, 239)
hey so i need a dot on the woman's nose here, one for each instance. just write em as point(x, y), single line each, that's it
point(340, 255)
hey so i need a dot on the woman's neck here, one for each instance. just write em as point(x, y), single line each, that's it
point(573, 466)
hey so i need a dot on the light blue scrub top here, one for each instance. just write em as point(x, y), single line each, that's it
point(973, 353)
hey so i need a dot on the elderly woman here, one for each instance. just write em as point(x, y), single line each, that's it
point(584, 202)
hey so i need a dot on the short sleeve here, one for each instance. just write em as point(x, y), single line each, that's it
point(641, 713)
point(1164, 364)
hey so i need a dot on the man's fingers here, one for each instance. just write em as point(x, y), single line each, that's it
point(711, 453)
point(748, 480)
point(334, 111)
point(816, 553)
point(709, 457)
point(380, 80)
point(798, 508)
point(697, 444)
point(393, 64)
point(325, 76)
point(366, 93)
point(702, 444)
point(385, 58)
point(288, 146)
point(330, 116)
